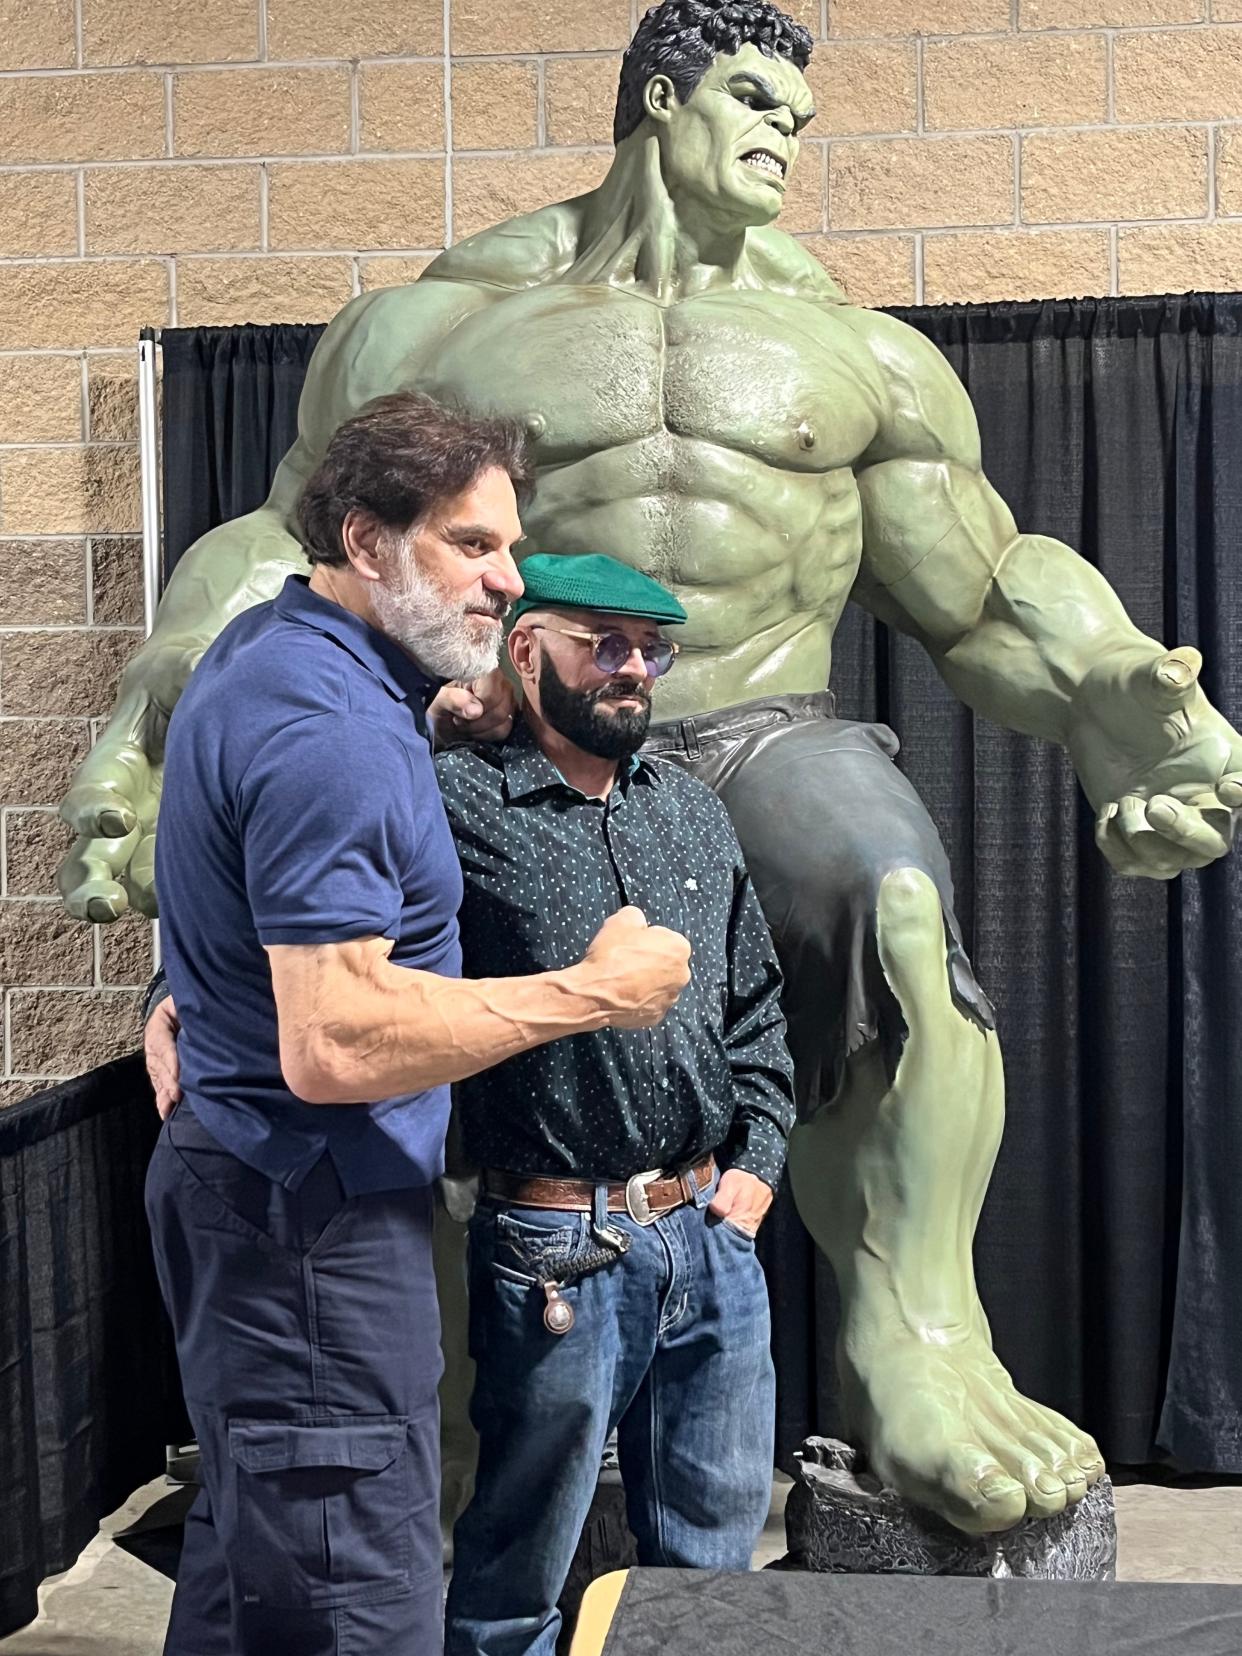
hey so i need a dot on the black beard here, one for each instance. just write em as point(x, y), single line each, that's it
point(575, 715)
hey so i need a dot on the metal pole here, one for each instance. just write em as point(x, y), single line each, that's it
point(149, 460)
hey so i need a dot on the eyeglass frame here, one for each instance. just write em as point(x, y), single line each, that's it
point(595, 639)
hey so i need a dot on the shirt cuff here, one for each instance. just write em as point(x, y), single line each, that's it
point(757, 1146)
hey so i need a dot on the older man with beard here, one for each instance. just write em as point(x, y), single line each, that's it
point(613, 1277)
point(308, 891)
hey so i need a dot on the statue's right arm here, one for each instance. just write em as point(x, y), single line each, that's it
point(374, 346)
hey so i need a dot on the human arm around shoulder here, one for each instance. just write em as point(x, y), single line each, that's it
point(330, 829)
point(354, 1028)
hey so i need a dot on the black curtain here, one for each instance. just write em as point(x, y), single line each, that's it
point(1111, 1244)
point(230, 412)
point(88, 1387)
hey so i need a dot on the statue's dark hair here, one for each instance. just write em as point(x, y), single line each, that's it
point(395, 459)
point(681, 37)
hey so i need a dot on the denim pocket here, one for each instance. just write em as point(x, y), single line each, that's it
point(731, 1229)
point(324, 1510)
point(536, 1246)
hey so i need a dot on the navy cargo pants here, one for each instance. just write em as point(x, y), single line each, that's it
point(309, 1345)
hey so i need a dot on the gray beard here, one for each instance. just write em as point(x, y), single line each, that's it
point(445, 641)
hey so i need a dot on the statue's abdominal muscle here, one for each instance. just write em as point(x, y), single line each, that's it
point(654, 443)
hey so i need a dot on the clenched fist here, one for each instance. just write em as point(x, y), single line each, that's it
point(636, 971)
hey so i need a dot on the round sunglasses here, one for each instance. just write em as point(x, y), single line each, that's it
point(611, 650)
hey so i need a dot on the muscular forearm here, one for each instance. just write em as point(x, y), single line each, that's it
point(383, 1030)
point(1047, 619)
point(1014, 622)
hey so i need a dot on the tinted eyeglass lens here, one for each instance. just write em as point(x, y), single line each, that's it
point(614, 650)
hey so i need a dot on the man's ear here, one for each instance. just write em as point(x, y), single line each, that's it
point(521, 647)
point(361, 534)
point(659, 99)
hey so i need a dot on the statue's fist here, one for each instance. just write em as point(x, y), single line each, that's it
point(114, 797)
point(636, 970)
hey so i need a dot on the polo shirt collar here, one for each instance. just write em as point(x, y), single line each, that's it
point(529, 771)
point(400, 675)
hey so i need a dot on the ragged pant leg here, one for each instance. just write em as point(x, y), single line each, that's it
point(308, 1343)
point(823, 815)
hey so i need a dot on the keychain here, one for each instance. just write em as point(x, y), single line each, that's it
point(558, 1314)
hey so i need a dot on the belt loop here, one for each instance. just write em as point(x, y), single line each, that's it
point(690, 737)
point(599, 1208)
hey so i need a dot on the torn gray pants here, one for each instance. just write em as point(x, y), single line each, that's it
point(823, 814)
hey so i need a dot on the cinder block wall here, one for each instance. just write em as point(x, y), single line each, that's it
point(217, 161)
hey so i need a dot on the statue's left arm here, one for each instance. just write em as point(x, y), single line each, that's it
point(1026, 631)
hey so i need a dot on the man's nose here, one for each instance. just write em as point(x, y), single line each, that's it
point(782, 119)
point(639, 666)
point(501, 575)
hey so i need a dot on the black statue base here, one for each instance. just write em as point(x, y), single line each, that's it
point(840, 1520)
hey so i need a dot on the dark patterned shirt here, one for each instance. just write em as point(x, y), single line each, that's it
point(544, 867)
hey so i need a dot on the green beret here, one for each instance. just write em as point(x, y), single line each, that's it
point(593, 581)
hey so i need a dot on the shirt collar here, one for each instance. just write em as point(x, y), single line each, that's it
point(528, 770)
point(400, 675)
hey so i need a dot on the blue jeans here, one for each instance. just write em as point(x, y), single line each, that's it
point(670, 1346)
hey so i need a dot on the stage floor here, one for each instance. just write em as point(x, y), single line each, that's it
point(110, 1604)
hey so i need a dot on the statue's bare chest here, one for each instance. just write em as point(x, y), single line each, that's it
point(590, 369)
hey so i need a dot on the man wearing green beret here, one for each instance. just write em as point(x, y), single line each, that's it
point(614, 1283)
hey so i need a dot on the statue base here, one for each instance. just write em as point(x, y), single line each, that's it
point(840, 1520)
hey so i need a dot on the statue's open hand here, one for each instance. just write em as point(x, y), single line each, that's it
point(1160, 765)
point(115, 793)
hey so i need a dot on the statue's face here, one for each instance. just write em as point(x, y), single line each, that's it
point(731, 147)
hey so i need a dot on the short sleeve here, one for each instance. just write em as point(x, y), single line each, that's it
point(326, 815)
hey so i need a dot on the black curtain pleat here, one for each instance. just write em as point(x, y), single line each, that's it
point(88, 1379)
point(1110, 1247)
point(230, 413)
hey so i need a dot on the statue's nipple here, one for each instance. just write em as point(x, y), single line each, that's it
point(806, 435)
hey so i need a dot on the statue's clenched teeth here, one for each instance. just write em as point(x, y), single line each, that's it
point(765, 162)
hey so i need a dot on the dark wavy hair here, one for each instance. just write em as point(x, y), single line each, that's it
point(680, 38)
point(397, 457)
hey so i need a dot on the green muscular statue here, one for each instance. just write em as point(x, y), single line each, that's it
point(704, 404)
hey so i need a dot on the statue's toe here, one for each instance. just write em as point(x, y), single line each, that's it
point(991, 1498)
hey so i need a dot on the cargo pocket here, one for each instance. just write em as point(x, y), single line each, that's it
point(324, 1510)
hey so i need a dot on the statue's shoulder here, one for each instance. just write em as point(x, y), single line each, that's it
point(519, 253)
point(785, 264)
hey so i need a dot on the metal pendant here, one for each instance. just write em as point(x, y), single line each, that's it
point(558, 1314)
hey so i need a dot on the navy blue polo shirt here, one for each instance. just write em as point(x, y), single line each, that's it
point(300, 806)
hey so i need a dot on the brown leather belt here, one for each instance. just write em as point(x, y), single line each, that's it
point(645, 1197)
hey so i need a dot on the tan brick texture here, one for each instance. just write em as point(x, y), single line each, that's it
point(363, 204)
point(168, 31)
point(496, 106)
point(38, 213)
point(262, 112)
point(580, 96)
point(39, 34)
point(1156, 173)
point(1052, 80)
point(911, 182)
point(40, 399)
point(401, 106)
point(1015, 265)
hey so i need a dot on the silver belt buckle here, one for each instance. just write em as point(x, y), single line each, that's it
point(636, 1203)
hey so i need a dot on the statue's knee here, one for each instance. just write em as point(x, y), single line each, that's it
point(908, 906)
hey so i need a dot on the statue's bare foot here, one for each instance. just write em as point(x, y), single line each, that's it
point(944, 1425)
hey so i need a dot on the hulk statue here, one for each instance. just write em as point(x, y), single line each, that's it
point(703, 403)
